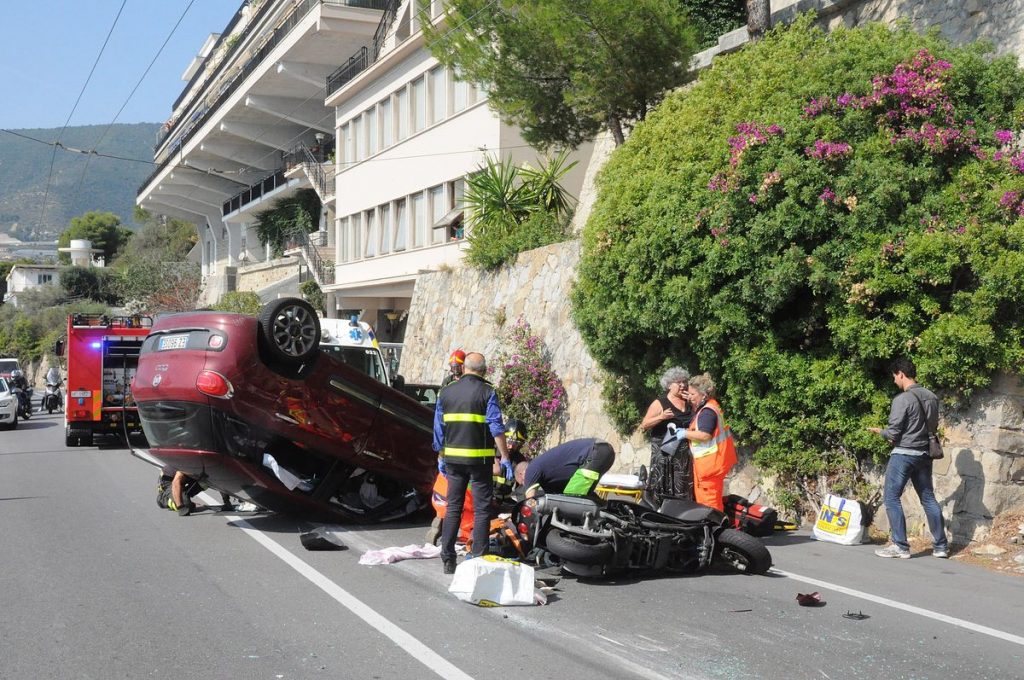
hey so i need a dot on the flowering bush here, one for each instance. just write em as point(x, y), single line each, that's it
point(529, 389)
point(881, 216)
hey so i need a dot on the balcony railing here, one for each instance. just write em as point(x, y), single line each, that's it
point(258, 190)
point(323, 271)
point(312, 160)
point(200, 117)
point(364, 57)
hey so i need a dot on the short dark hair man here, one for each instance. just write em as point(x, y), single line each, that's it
point(913, 415)
point(572, 468)
point(468, 425)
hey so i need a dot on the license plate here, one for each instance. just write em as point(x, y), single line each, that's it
point(81, 394)
point(173, 342)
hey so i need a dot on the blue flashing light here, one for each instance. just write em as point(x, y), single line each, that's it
point(95, 345)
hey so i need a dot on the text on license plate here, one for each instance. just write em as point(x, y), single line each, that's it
point(173, 342)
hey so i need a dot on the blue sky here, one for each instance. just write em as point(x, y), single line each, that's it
point(48, 46)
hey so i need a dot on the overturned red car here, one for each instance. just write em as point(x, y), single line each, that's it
point(256, 408)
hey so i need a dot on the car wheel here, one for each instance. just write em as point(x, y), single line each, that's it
point(573, 549)
point(69, 438)
point(291, 330)
point(13, 424)
point(85, 439)
point(743, 552)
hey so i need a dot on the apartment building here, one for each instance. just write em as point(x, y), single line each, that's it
point(342, 97)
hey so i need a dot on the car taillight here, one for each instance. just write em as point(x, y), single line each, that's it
point(214, 384)
point(526, 510)
point(524, 531)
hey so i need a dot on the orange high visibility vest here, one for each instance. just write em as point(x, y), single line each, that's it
point(715, 457)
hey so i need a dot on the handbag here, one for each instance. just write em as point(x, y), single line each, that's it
point(935, 451)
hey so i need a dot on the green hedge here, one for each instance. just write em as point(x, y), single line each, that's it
point(815, 205)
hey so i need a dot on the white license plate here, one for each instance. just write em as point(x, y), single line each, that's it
point(173, 342)
point(81, 394)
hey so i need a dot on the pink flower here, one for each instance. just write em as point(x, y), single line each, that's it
point(827, 196)
point(828, 150)
point(1004, 136)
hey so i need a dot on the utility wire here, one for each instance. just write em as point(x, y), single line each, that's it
point(53, 156)
point(132, 93)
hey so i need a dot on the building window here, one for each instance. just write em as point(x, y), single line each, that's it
point(346, 135)
point(387, 124)
point(402, 106)
point(420, 223)
point(460, 94)
point(384, 213)
point(419, 104)
point(438, 95)
point(371, 233)
point(438, 208)
point(371, 130)
point(401, 224)
point(360, 134)
point(354, 233)
point(43, 278)
point(342, 240)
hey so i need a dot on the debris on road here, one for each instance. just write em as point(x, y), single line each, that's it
point(810, 599)
point(321, 539)
point(407, 552)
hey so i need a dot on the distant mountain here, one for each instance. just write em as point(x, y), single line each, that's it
point(107, 185)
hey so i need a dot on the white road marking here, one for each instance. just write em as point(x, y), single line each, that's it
point(406, 642)
point(920, 611)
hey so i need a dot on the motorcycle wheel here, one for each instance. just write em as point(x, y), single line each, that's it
point(743, 552)
point(573, 549)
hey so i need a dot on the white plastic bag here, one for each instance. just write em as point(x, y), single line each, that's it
point(840, 520)
point(492, 581)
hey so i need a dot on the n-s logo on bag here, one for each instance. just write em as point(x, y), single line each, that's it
point(833, 520)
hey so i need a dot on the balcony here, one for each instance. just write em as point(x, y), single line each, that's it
point(183, 131)
point(364, 58)
point(254, 192)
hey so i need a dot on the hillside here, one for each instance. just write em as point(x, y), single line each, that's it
point(108, 184)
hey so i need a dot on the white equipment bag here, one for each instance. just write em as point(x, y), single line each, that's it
point(840, 520)
point(491, 581)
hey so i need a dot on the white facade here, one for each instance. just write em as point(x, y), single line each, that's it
point(406, 134)
point(24, 277)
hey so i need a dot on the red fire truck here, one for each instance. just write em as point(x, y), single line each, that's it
point(102, 353)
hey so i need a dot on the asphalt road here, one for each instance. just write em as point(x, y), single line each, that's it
point(97, 582)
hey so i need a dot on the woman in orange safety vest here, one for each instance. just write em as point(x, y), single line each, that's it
point(711, 442)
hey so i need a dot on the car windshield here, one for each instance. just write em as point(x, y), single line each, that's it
point(362, 359)
point(8, 365)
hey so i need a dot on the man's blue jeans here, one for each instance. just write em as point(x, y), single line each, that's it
point(918, 471)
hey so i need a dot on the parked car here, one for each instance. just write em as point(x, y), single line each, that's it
point(8, 406)
point(255, 407)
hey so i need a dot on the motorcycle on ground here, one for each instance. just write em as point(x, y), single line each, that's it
point(596, 539)
point(53, 399)
point(24, 396)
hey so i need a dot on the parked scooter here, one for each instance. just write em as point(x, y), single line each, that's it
point(597, 538)
point(53, 398)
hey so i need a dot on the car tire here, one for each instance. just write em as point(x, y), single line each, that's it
point(69, 438)
point(13, 424)
point(85, 439)
point(743, 552)
point(572, 549)
point(290, 330)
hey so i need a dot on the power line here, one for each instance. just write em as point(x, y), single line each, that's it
point(132, 93)
point(53, 156)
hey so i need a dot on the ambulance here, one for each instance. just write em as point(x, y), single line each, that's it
point(354, 343)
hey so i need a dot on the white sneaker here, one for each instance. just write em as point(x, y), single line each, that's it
point(941, 553)
point(893, 551)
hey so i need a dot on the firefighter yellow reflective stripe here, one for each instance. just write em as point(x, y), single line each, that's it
point(468, 453)
point(464, 418)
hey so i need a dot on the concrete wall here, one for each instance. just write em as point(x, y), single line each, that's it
point(255, 277)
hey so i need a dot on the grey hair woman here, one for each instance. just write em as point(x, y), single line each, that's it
point(670, 474)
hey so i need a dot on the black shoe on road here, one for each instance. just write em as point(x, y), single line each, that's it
point(449, 566)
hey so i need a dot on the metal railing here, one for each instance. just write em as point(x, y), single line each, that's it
point(323, 271)
point(312, 162)
point(254, 192)
point(298, 13)
point(364, 58)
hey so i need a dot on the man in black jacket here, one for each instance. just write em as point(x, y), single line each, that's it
point(914, 414)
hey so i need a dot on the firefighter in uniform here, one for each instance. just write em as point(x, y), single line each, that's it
point(468, 425)
point(711, 443)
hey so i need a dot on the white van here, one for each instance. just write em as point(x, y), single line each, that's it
point(354, 343)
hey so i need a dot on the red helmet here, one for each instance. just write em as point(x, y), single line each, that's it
point(457, 357)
